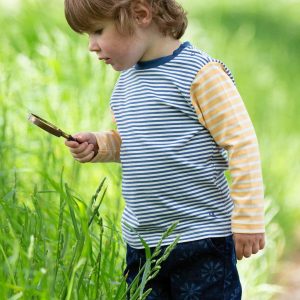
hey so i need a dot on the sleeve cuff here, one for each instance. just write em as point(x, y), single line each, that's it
point(108, 147)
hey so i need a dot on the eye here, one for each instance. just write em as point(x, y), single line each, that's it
point(99, 31)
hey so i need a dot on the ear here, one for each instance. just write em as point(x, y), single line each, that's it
point(142, 12)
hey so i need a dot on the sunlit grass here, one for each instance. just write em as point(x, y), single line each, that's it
point(59, 246)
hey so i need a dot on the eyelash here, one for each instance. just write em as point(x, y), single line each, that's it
point(99, 31)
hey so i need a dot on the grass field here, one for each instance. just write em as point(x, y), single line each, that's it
point(56, 241)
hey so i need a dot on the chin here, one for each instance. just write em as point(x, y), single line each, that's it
point(122, 68)
point(116, 68)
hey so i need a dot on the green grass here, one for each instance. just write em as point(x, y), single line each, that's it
point(66, 249)
point(46, 69)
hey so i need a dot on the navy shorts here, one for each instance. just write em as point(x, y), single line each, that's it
point(203, 269)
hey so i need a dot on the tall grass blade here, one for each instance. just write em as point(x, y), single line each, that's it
point(71, 204)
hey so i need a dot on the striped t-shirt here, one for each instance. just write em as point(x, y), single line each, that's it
point(181, 123)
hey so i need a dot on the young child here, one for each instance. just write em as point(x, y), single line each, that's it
point(181, 123)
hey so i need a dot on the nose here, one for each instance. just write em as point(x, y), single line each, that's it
point(93, 44)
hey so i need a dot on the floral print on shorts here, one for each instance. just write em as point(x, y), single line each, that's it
point(198, 270)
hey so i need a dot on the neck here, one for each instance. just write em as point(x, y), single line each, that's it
point(160, 46)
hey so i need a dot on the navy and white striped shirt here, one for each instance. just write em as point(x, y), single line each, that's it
point(172, 168)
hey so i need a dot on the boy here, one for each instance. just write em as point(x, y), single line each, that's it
point(181, 124)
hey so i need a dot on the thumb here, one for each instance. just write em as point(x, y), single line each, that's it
point(81, 137)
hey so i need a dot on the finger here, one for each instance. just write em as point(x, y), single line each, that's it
point(262, 244)
point(71, 144)
point(87, 158)
point(79, 149)
point(86, 152)
point(247, 250)
point(238, 250)
point(255, 247)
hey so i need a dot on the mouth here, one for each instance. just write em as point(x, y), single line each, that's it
point(107, 60)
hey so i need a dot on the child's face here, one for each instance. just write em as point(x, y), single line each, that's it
point(119, 50)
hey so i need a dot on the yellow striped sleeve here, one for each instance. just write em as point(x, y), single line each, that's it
point(221, 110)
point(109, 143)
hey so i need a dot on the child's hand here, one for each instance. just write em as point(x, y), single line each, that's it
point(247, 244)
point(86, 149)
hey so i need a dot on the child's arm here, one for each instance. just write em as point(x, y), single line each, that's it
point(221, 110)
point(96, 146)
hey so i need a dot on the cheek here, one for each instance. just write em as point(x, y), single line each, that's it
point(122, 48)
point(117, 47)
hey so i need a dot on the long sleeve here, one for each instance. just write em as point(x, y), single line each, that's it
point(109, 143)
point(221, 111)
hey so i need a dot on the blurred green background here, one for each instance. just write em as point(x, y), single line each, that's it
point(46, 68)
